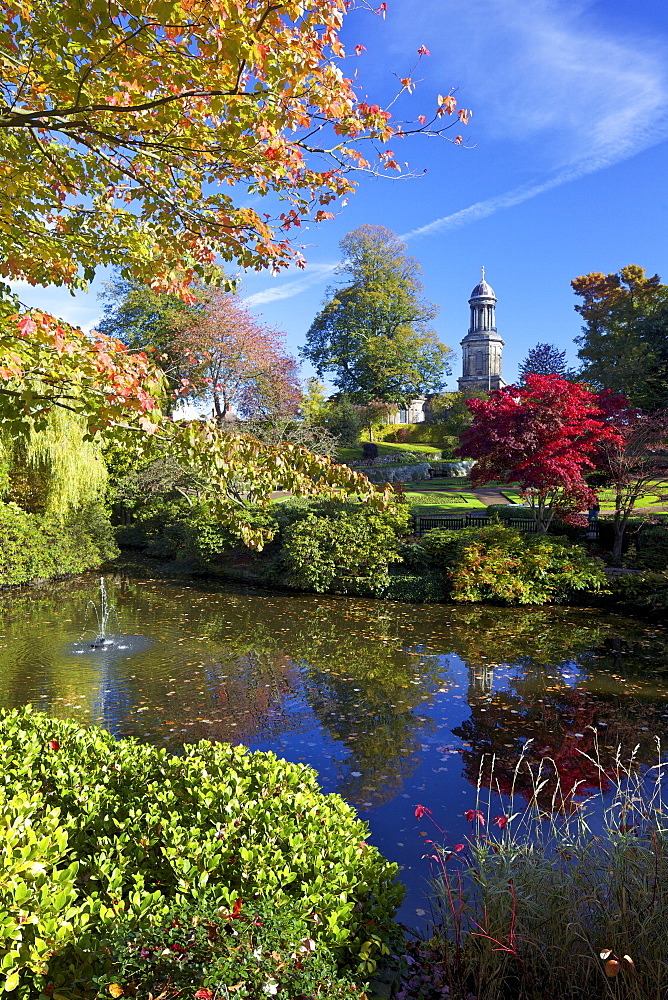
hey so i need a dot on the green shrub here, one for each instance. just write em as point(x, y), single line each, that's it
point(38, 910)
point(345, 421)
point(208, 540)
point(640, 592)
point(346, 552)
point(254, 950)
point(652, 548)
point(422, 433)
point(35, 546)
point(415, 557)
point(147, 828)
point(498, 563)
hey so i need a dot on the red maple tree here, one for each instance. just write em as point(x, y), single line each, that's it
point(237, 361)
point(543, 435)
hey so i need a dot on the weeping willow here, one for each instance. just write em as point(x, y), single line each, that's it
point(53, 471)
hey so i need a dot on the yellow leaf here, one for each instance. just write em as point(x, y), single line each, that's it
point(115, 990)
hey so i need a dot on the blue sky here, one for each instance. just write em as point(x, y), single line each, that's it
point(567, 172)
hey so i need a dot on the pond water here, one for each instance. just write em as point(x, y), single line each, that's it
point(394, 704)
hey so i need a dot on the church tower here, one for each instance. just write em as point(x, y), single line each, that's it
point(482, 346)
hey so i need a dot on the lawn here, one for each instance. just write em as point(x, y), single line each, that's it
point(428, 450)
point(467, 501)
point(606, 498)
point(439, 485)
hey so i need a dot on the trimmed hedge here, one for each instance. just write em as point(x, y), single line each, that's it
point(144, 831)
point(35, 547)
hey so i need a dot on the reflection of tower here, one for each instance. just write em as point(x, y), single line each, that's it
point(482, 346)
point(481, 680)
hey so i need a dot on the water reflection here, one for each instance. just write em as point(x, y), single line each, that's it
point(394, 704)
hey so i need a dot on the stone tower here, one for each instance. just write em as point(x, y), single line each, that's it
point(482, 346)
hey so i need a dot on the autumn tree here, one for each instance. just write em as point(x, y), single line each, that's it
point(624, 340)
point(544, 435)
point(373, 335)
point(148, 321)
point(139, 134)
point(543, 359)
point(632, 460)
point(236, 361)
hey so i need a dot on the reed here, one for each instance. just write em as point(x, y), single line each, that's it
point(560, 897)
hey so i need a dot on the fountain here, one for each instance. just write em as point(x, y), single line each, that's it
point(110, 646)
point(105, 612)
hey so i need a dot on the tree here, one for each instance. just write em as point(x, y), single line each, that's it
point(45, 363)
point(148, 321)
point(631, 461)
point(544, 435)
point(373, 335)
point(543, 359)
point(233, 358)
point(345, 420)
point(624, 341)
point(139, 134)
point(314, 404)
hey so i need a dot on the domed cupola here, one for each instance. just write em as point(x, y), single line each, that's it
point(482, 346)
point(483, 290)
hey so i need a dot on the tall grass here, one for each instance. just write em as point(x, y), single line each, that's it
point(557, 898)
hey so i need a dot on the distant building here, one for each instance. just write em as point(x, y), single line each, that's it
point(482, 346)
point(414, 413)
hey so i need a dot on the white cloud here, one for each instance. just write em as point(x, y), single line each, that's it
point(314, 275)
point(563, 94)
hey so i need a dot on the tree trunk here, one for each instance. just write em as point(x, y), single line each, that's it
point(220, 408)
point(619, 525)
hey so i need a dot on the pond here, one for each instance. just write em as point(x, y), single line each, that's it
point(394, 704)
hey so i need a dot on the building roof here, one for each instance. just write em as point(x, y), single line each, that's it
point(483, 290)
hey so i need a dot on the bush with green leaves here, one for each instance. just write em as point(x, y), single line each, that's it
point(38, 546)
point(652, 548)
point(147, 828)
point(498, 563)
point(208, 539)
point(39, 908)
point(250, 950)
point(347, 552)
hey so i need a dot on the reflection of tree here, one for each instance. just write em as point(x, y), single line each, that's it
point(361, 683)
point(507, 635)
point(544, 718)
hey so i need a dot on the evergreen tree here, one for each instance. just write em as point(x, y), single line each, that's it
point(373, 336)
point(543, 359)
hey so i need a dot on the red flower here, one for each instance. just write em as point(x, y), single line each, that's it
point(501, 822)
point(54, 745)
point(204, 994)
point(472, 814)
point(420, 811)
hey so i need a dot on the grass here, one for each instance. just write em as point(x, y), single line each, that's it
point(464, 500)
point(430, 451)
point(606, 499)
point(440, 485)
point(560, 893)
